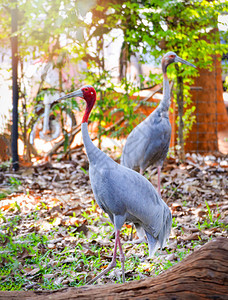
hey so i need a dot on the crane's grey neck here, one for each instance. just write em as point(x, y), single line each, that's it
point(165, 103)
point(92, 151)
point(164, 68)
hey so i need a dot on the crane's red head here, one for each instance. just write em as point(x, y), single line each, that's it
point(171, 57)
point(88, 93)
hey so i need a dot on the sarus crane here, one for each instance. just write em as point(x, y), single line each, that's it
point(148, 143)
point(124, 194)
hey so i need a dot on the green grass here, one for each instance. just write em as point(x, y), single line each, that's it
point(11, 186)
point(14, 181)
point(27, 261)
point(211, 220)
point(3, 195)
point(74, 263)
point(18, 255)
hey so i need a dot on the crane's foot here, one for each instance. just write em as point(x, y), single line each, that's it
point(113, 262)
point(109, 267)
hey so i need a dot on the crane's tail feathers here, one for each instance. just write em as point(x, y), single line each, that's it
point(153, 244)
point(161, 239)
point(166, 229)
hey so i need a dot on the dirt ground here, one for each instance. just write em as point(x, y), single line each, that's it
point(54, 199)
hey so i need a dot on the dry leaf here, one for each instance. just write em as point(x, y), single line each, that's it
point(192, 237)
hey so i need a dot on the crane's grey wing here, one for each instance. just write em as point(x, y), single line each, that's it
point(143, 205)
point(124, 192)
point(148, 143)
point(157, 148)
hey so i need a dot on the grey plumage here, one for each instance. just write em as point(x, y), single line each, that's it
point(125, 195)
point(148, 143)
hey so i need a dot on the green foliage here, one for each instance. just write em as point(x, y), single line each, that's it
point(211, 219)
point(174, 222)
point(14, 181)
point(58, 31)
point(186, 27)
point(2, 195)
point(111, 104)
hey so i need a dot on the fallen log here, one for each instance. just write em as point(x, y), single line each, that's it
point(201, 275)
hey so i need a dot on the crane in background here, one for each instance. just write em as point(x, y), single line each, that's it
point(148, 143)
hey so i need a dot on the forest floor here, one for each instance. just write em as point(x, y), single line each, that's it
point(53, 235)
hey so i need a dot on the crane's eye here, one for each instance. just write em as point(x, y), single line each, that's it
point(86, 89)
point(172, 56)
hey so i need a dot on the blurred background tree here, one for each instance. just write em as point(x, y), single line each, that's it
point(60, 33)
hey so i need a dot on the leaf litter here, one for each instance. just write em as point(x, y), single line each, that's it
point(53, 234)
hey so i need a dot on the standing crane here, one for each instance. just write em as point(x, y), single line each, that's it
point(148, 143)
point(124, 194)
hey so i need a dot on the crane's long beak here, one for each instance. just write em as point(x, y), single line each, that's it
point(77, 93)
point(181, 60)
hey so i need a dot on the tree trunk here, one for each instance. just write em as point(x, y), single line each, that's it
point(202, 275)
point(211, 115)
point(5, 149)
point(14, 48)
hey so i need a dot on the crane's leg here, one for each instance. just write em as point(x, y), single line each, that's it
point(113, 262)
point(122, 259)
point(159, 180)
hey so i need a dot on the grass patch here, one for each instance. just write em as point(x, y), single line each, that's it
point(212, 220)
point(39, 251)
point(37, 261)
